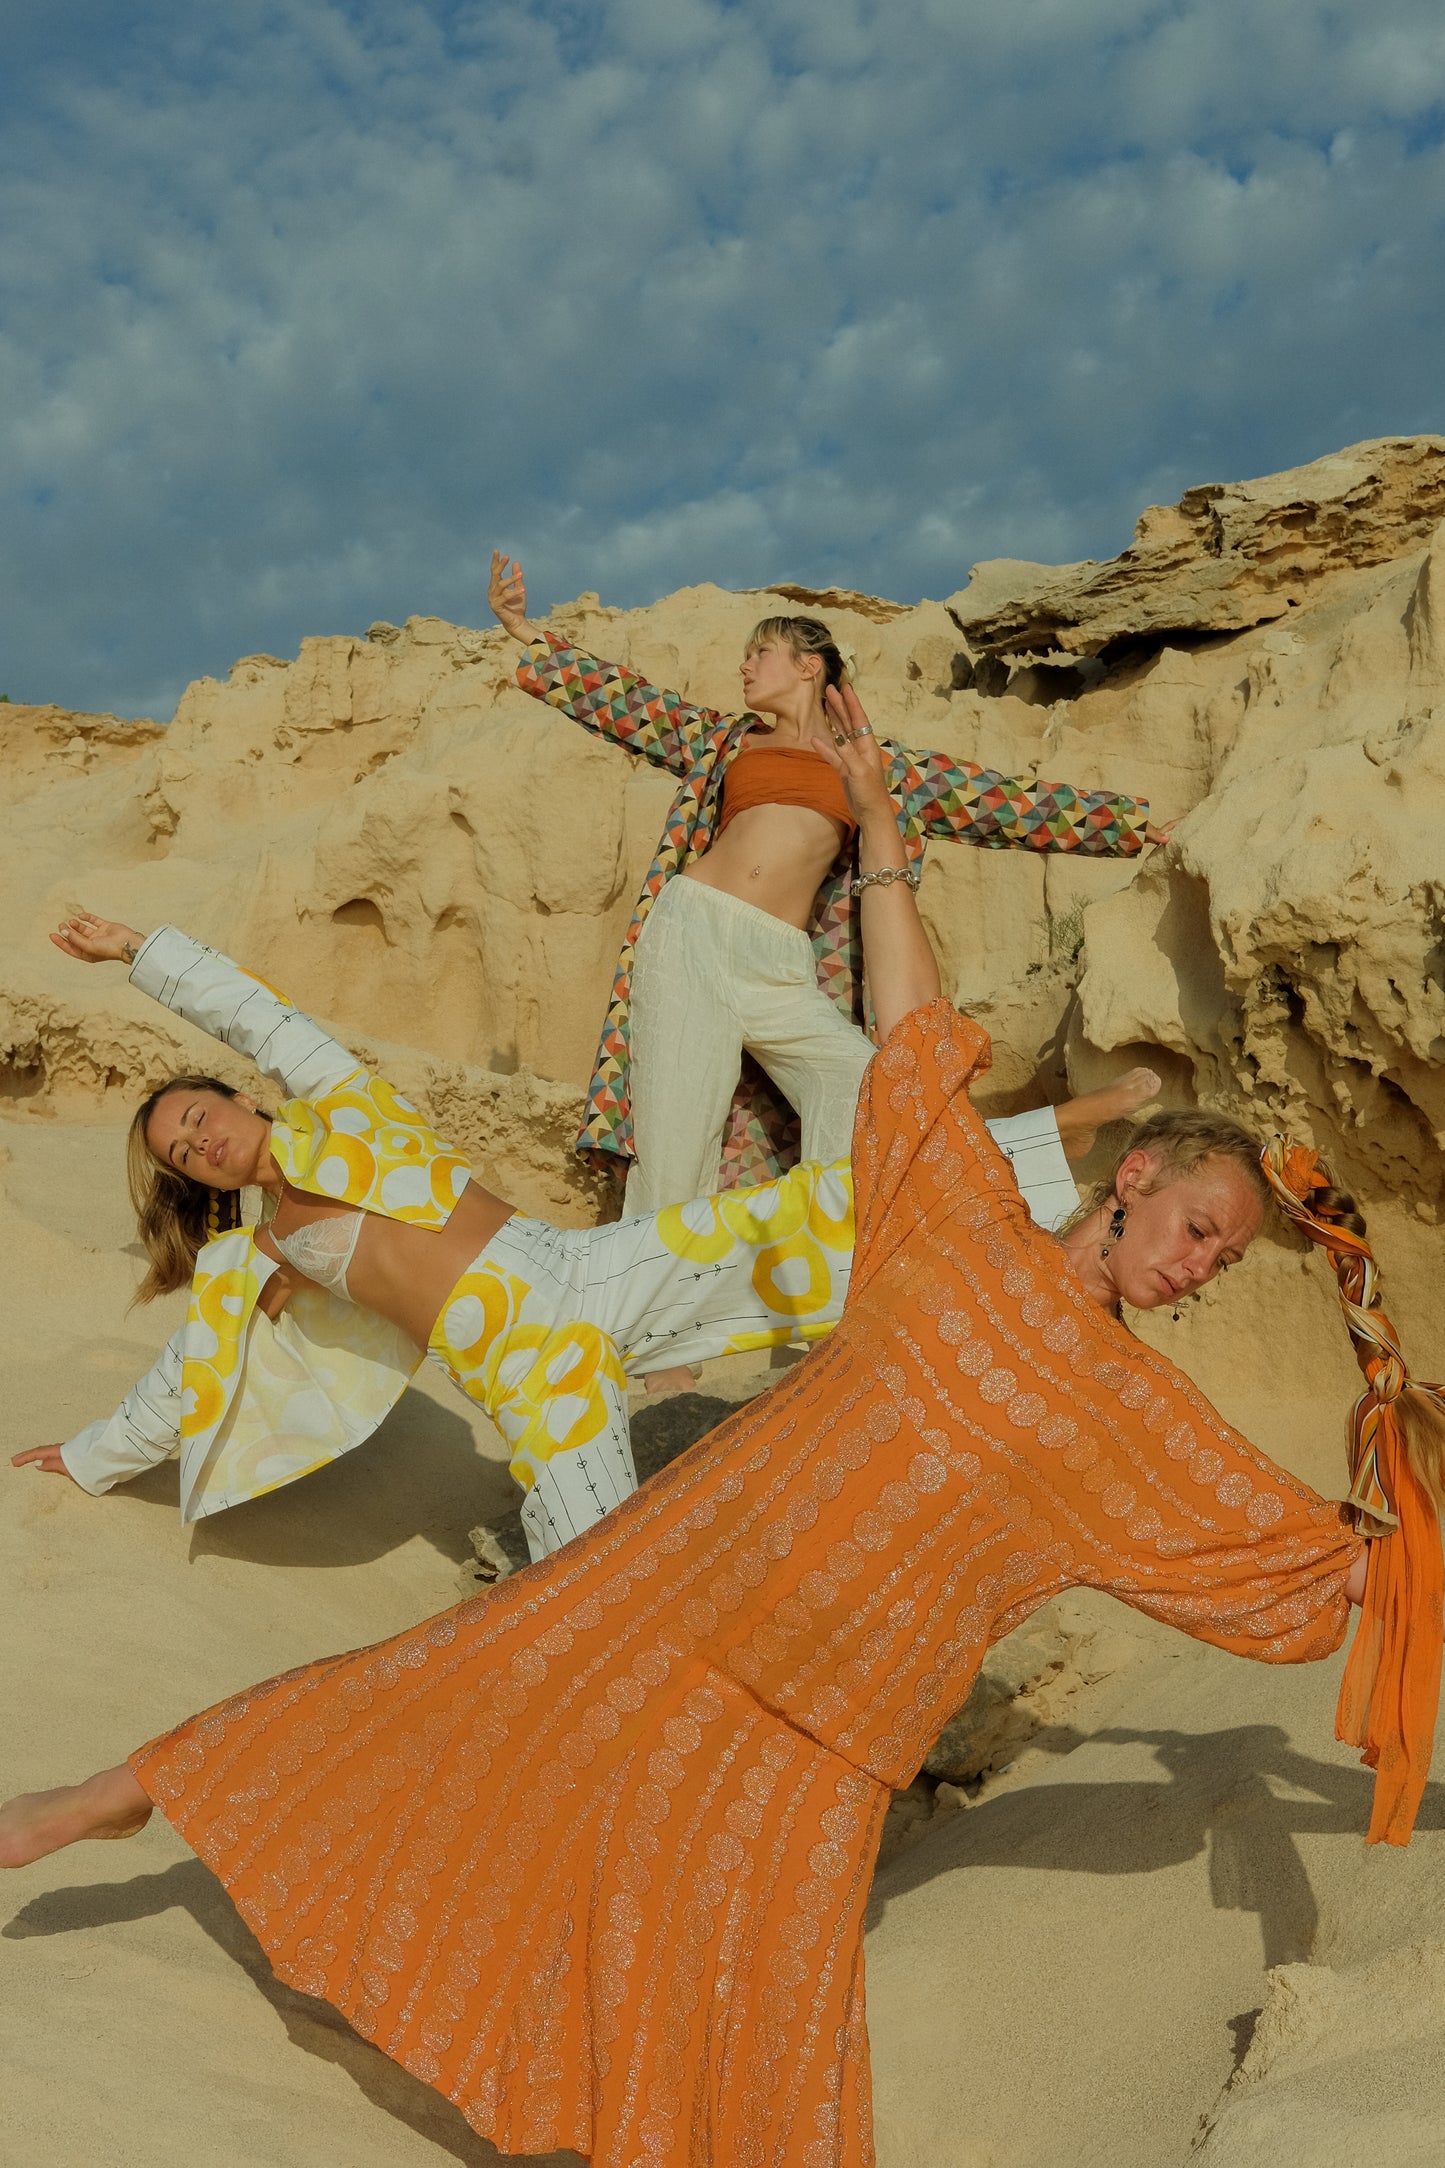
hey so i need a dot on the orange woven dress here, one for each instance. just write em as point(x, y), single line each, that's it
point(589, 1853)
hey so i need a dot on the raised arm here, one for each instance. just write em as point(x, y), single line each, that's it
point(216, 995)
point(603, 697)
point(898, 955)
point(950, 798)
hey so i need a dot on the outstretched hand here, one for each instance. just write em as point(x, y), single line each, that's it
point(856, 756)
point(92, 940)
point(46, 1457)
point(507, 597)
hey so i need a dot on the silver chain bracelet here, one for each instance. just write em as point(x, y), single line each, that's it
point(885, 876)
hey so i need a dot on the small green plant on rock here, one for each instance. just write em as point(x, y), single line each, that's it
point(1066, 935)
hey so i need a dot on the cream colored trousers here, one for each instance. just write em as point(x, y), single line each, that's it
point(714, 978)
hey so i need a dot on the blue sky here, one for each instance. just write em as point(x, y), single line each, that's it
point(303, 305)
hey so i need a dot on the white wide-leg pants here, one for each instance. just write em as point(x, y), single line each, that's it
point(714, 978)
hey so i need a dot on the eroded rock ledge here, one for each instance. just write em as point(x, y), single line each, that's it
point(1229, 555)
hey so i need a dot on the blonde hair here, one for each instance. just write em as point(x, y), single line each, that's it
point(1417, 1408)
point(1179, 1142)
point(807, 636)
point(176, 1217)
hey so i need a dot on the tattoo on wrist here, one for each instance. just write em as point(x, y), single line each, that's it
point(129, 951)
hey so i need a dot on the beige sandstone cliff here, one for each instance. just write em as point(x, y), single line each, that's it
point(443, 869)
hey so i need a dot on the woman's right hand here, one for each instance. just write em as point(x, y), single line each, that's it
point(856, 758)
point(507, 597)
point(92, 940)
point(47, 1457)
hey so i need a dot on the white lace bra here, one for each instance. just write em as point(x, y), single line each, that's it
point(322, 1249)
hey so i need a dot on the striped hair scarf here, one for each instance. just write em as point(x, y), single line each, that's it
point(1391, 1687)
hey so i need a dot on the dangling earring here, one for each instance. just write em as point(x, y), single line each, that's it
point(1116, 1229)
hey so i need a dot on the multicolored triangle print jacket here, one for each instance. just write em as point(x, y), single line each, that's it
point(935, 797)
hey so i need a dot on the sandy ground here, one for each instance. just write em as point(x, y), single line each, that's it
point(1068, 1971)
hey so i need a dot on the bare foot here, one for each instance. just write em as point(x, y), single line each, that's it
point(1081, 1119)
point(109, 1805)
point(662, 1382)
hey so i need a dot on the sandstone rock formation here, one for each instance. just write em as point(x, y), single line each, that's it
point(1227, 556)
point(443, 869)
point(389, 827)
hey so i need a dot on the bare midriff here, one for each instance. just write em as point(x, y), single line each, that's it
point(403, 1273)
point(773, 856)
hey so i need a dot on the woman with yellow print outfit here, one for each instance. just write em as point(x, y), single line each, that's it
point(375, 1244)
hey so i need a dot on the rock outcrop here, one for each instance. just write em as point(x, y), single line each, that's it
point(390, 828)
point(1227, 556)
point(443, 869)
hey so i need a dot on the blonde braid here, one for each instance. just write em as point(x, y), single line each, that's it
point(1390, 1692)
point(1304, 1189)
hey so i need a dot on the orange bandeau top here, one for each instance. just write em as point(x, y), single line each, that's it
point(784, 775)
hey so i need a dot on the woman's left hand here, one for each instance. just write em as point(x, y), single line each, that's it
point(92, 940)
point(856, 756)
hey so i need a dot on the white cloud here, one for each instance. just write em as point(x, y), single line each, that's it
point(303, 307)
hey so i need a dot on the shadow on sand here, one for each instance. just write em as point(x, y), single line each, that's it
point(1220, 1799)
point(419, 1475)
point(311, 2025)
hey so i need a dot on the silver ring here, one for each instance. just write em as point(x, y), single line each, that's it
point(864, 730)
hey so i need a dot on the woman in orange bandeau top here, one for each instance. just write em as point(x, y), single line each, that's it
point(589, 1853)
point(748, 970)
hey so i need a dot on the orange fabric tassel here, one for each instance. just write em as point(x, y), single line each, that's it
point(1390, 1693)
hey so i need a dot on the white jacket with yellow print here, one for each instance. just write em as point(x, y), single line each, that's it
point(250, 1403)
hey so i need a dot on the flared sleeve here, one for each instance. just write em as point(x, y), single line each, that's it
point(615, 703)
point(920, 1153)
point(968, 804)
point(144, 1430)
point(1176, 1513)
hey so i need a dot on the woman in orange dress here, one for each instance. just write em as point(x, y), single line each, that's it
point(589, 1853)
